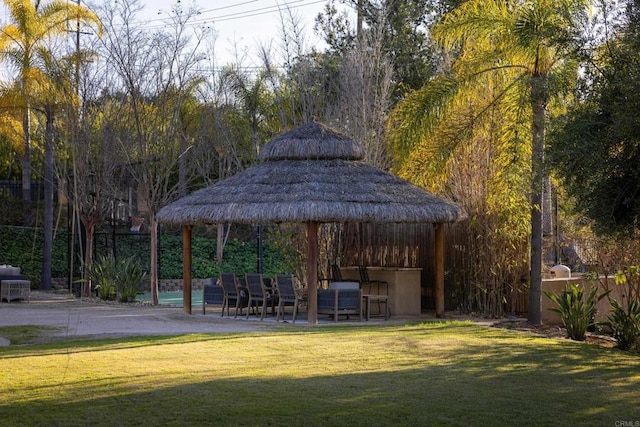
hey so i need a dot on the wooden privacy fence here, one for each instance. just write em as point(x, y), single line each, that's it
point(412, 245)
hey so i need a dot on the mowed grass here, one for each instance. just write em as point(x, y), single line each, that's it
point(415, 374)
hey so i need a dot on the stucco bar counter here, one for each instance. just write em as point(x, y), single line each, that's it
point(404, 286)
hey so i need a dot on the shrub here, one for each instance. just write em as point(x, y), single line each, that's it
point(624, 324)
point(576, 312)
point(23, 247)
point(119, 279)
point(103, 275)
point(129, 277)
point(630, 279)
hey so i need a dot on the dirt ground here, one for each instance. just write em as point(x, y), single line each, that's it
point(553, 331)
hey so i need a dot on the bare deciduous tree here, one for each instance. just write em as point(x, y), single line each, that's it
point(157, 77)
point(366, 86)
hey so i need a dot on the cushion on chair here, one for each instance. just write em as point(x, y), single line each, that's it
point(8, 270)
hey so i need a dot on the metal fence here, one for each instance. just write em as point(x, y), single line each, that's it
point(13, 189)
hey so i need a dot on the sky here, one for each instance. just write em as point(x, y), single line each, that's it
point(244, 23)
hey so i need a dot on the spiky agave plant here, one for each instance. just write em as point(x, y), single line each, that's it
point(576, 310)
point(624, 324)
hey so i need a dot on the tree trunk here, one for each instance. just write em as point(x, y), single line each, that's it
point(26, 167)
point(182, 165)
point(547, 207)
point(88, 257)
point(439, 268)
point(539, 96)
point(220, 244)
point(45, 280)
point(153, 267)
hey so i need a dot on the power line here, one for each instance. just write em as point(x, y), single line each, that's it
point(217, 8)
point(291, 5)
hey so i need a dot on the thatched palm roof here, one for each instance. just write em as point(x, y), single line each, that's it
point(311, 173)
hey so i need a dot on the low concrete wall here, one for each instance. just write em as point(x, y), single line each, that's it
point(558, 285)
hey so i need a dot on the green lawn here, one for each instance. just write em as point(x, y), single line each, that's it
point(416, 374)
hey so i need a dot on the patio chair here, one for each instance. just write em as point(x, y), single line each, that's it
point(287, 293)
point(336, 274)
point(259, 293)
point(232, 293)
point(374, 291)
point(333, 275)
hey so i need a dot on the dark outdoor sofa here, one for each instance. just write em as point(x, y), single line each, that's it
point(342, 298)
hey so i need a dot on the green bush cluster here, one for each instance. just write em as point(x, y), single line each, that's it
point(239, 256)
point(11, 210)
point(624, 319)
point(23, 247)
point(624, 324)
point(117, 278)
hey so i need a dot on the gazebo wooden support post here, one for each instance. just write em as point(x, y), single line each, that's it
point(186, 268)
point(312, 272)
point(439, 268)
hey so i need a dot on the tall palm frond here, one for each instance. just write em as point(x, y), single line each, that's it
point(515, 47)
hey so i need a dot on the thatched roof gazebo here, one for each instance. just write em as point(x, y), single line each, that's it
point(311, 174)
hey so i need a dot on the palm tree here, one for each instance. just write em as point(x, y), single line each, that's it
point(523, 44)
point(31, 26)
point(53, 94)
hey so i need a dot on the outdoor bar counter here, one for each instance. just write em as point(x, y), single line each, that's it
point(404, 286)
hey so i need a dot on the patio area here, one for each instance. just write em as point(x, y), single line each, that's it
point(66, 316)
point(175, 299)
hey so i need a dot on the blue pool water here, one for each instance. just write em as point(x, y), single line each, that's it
point(173, 298)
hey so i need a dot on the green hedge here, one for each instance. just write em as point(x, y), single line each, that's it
point(239, 256)
point(23, 247)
